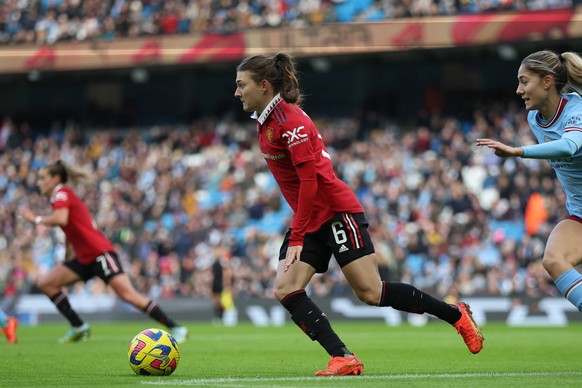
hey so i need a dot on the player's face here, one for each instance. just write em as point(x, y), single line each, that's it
point(46, 183)
point(250, 93)
point(532, 88)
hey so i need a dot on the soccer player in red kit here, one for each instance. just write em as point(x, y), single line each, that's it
point(328, 218)
point(94, 254)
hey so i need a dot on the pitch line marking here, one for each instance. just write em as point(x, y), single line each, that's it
point(232, 380)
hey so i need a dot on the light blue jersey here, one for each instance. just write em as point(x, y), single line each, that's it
point(560, 142)
point(3, 318)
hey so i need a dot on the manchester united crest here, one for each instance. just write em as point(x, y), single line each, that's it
point(270, 134)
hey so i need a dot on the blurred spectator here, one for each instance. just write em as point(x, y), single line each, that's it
point(447, 218)
point(48, 22)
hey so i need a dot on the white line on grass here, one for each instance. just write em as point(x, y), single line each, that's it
point(233, 380)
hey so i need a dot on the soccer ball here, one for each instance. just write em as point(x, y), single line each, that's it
point(153, 352)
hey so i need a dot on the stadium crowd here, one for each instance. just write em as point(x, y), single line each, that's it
point(446, 216)
point(51, 21)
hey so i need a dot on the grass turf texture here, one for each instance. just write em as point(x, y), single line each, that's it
point(248, 356)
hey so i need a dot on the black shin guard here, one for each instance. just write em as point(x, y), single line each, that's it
point(405, 297)
point(61, 301)
point(313, 322)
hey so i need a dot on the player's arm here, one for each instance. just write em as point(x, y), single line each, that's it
point(561, 148)
point(307, 193)
point(59, 217)
point(567, 146)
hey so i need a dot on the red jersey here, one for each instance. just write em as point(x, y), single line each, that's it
point(87, 240)
point(287, 139)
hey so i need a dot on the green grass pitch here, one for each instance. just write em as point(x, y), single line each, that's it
point(248, 356)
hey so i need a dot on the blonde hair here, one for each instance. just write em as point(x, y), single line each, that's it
point(566, 68)
point(68, 172)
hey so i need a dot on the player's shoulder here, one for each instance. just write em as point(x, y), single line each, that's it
point(289, 113)
point(574, 102)
point(572, 114)
point(62, 193)
point(574, 96)
point(65, 189)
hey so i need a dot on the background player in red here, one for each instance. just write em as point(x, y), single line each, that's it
point(94, 254)
point(328, 218)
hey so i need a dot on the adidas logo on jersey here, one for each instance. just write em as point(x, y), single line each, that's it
point(343, 248)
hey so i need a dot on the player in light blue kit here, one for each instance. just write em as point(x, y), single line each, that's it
point(550, 85)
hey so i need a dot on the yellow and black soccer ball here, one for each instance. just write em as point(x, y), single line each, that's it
point(153, 352)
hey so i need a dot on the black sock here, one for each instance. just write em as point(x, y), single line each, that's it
point(218, 312)
point(62, 303)
point(313, 322)
point(155, 312)
point(405, 297)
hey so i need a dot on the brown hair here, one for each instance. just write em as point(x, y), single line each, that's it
point(279, 70)
point(566, 68)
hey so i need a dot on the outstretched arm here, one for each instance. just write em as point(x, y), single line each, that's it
point(561, 148)
point(59, 217)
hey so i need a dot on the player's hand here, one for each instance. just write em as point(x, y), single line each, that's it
point(293, 255)
point(501, 150)
point(26, 213)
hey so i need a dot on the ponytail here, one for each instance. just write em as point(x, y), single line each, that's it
point(68, 172)
point(573, 64)
point(279, 70)
point(566, 68)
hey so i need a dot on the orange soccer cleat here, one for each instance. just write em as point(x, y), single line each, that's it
point(10, 330)
point(342, 366)
point(468, 329)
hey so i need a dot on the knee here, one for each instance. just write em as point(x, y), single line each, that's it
point(281, 292)
point(369, 295)
point(282, 289)
point(44, 285)
point(551, 262)
point(548, 262)
point(557, 263)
